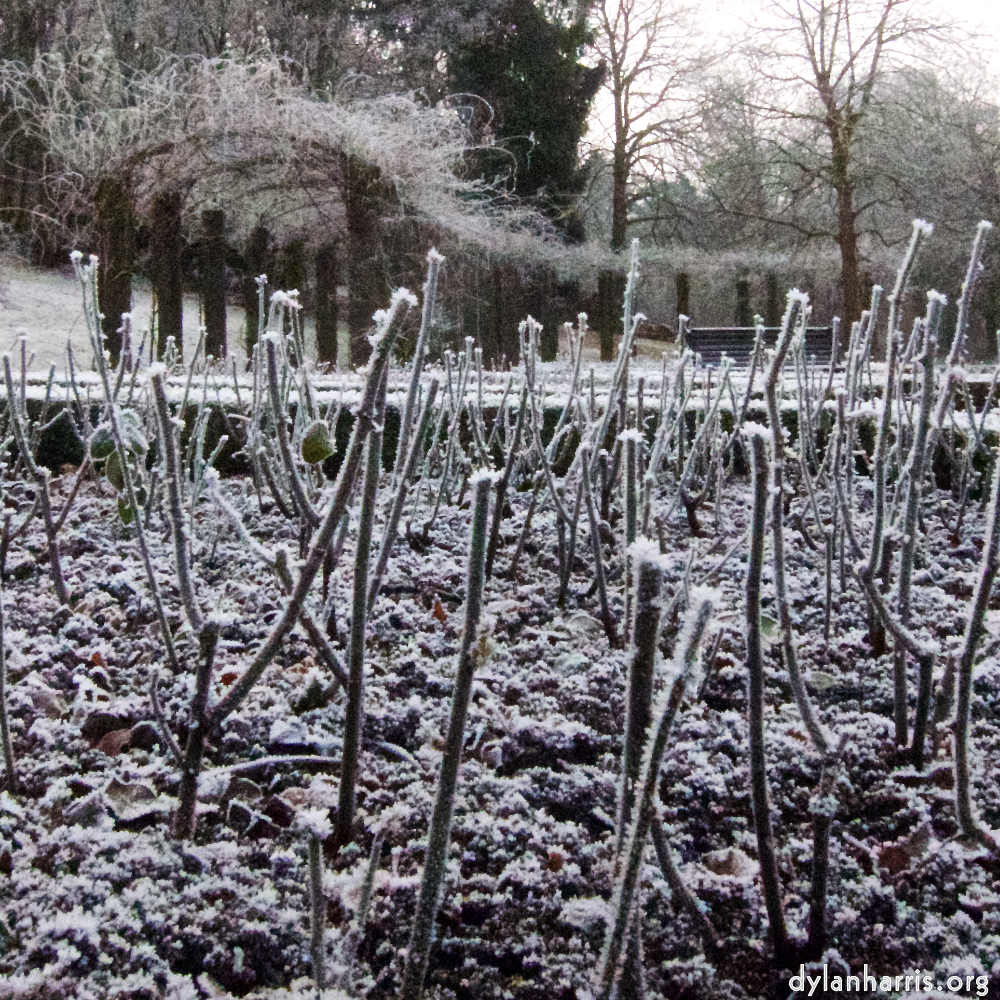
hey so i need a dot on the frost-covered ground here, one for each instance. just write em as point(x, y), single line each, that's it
point(46, 306)
point(96, 900)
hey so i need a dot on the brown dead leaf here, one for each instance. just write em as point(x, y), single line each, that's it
point(730, 862)
point(556, 860)
point(228, 677)
point(298, 798)
point(894, 859)
point(114, 742)
point(97, 659)
point(438, 611)
point(943, 777)
point(796, 735)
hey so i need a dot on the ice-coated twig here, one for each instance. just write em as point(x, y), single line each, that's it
point(639, 707)
point(425, 915)
point(434, 262)
point(41, 477)
point(915, 482)
point(318, 828)
point(974, 631)
point(770, 881)
point(8, 750)
point(630, 325)
point(88, 282)
point(922, 652)
point(187, 796)
point(512, 457)
point(567, 568)
point(161, 720)
point(368, 885)
point(182, 563)
point(682, 895)
point(607, 619)
point(515, 560)
point(302, 502)
point(823, 807)
point(795, 312)
point(623, 895)
point(320, 544)
point(354, 712)
point(633, 440)
point(399, 497)
point(965, 300)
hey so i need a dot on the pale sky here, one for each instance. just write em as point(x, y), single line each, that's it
point(981, 18)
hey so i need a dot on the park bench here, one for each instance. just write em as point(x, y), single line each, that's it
point(736, 342)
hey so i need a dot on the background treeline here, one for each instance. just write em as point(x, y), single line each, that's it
point(328, 144)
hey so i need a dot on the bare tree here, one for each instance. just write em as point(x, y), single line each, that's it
point(822, 59)
point(654, 62)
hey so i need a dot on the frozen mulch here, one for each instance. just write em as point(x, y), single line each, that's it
point(96, 900)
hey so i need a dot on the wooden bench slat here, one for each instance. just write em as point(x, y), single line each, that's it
point(711, 342)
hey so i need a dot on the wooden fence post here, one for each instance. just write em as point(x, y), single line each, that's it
point(166, 246)
point(212, 275)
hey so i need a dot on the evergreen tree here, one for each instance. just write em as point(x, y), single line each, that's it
point(538, 93)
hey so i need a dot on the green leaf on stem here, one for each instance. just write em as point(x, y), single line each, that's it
point(316, 444)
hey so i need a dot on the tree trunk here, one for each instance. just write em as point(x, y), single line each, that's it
point(366, 197)
point(326, 304)
point(743, 315)
point(610, 311)
point(504, 316)
point(683, 285)
point(212, 275)
point(255, 263)
point(167, 243)
point(773, 314)
point(116, 250)
point(293, 271)
point(619, 195)
point(543, 305)
point(847, 234)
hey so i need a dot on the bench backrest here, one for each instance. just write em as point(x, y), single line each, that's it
point(736, 342)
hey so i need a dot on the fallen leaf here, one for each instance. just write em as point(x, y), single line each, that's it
point(894, 859)
point(134, 801)
point(228, 677)
point(770, 631)
point(244, 788)
point(297, 798)
point(97, 659)
point(439, 611)
point(730, 862)
point(114, 742)
point(943, 777)
point(99, 724)
point(556, 861)
point(43, 698)
point(821, 680)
